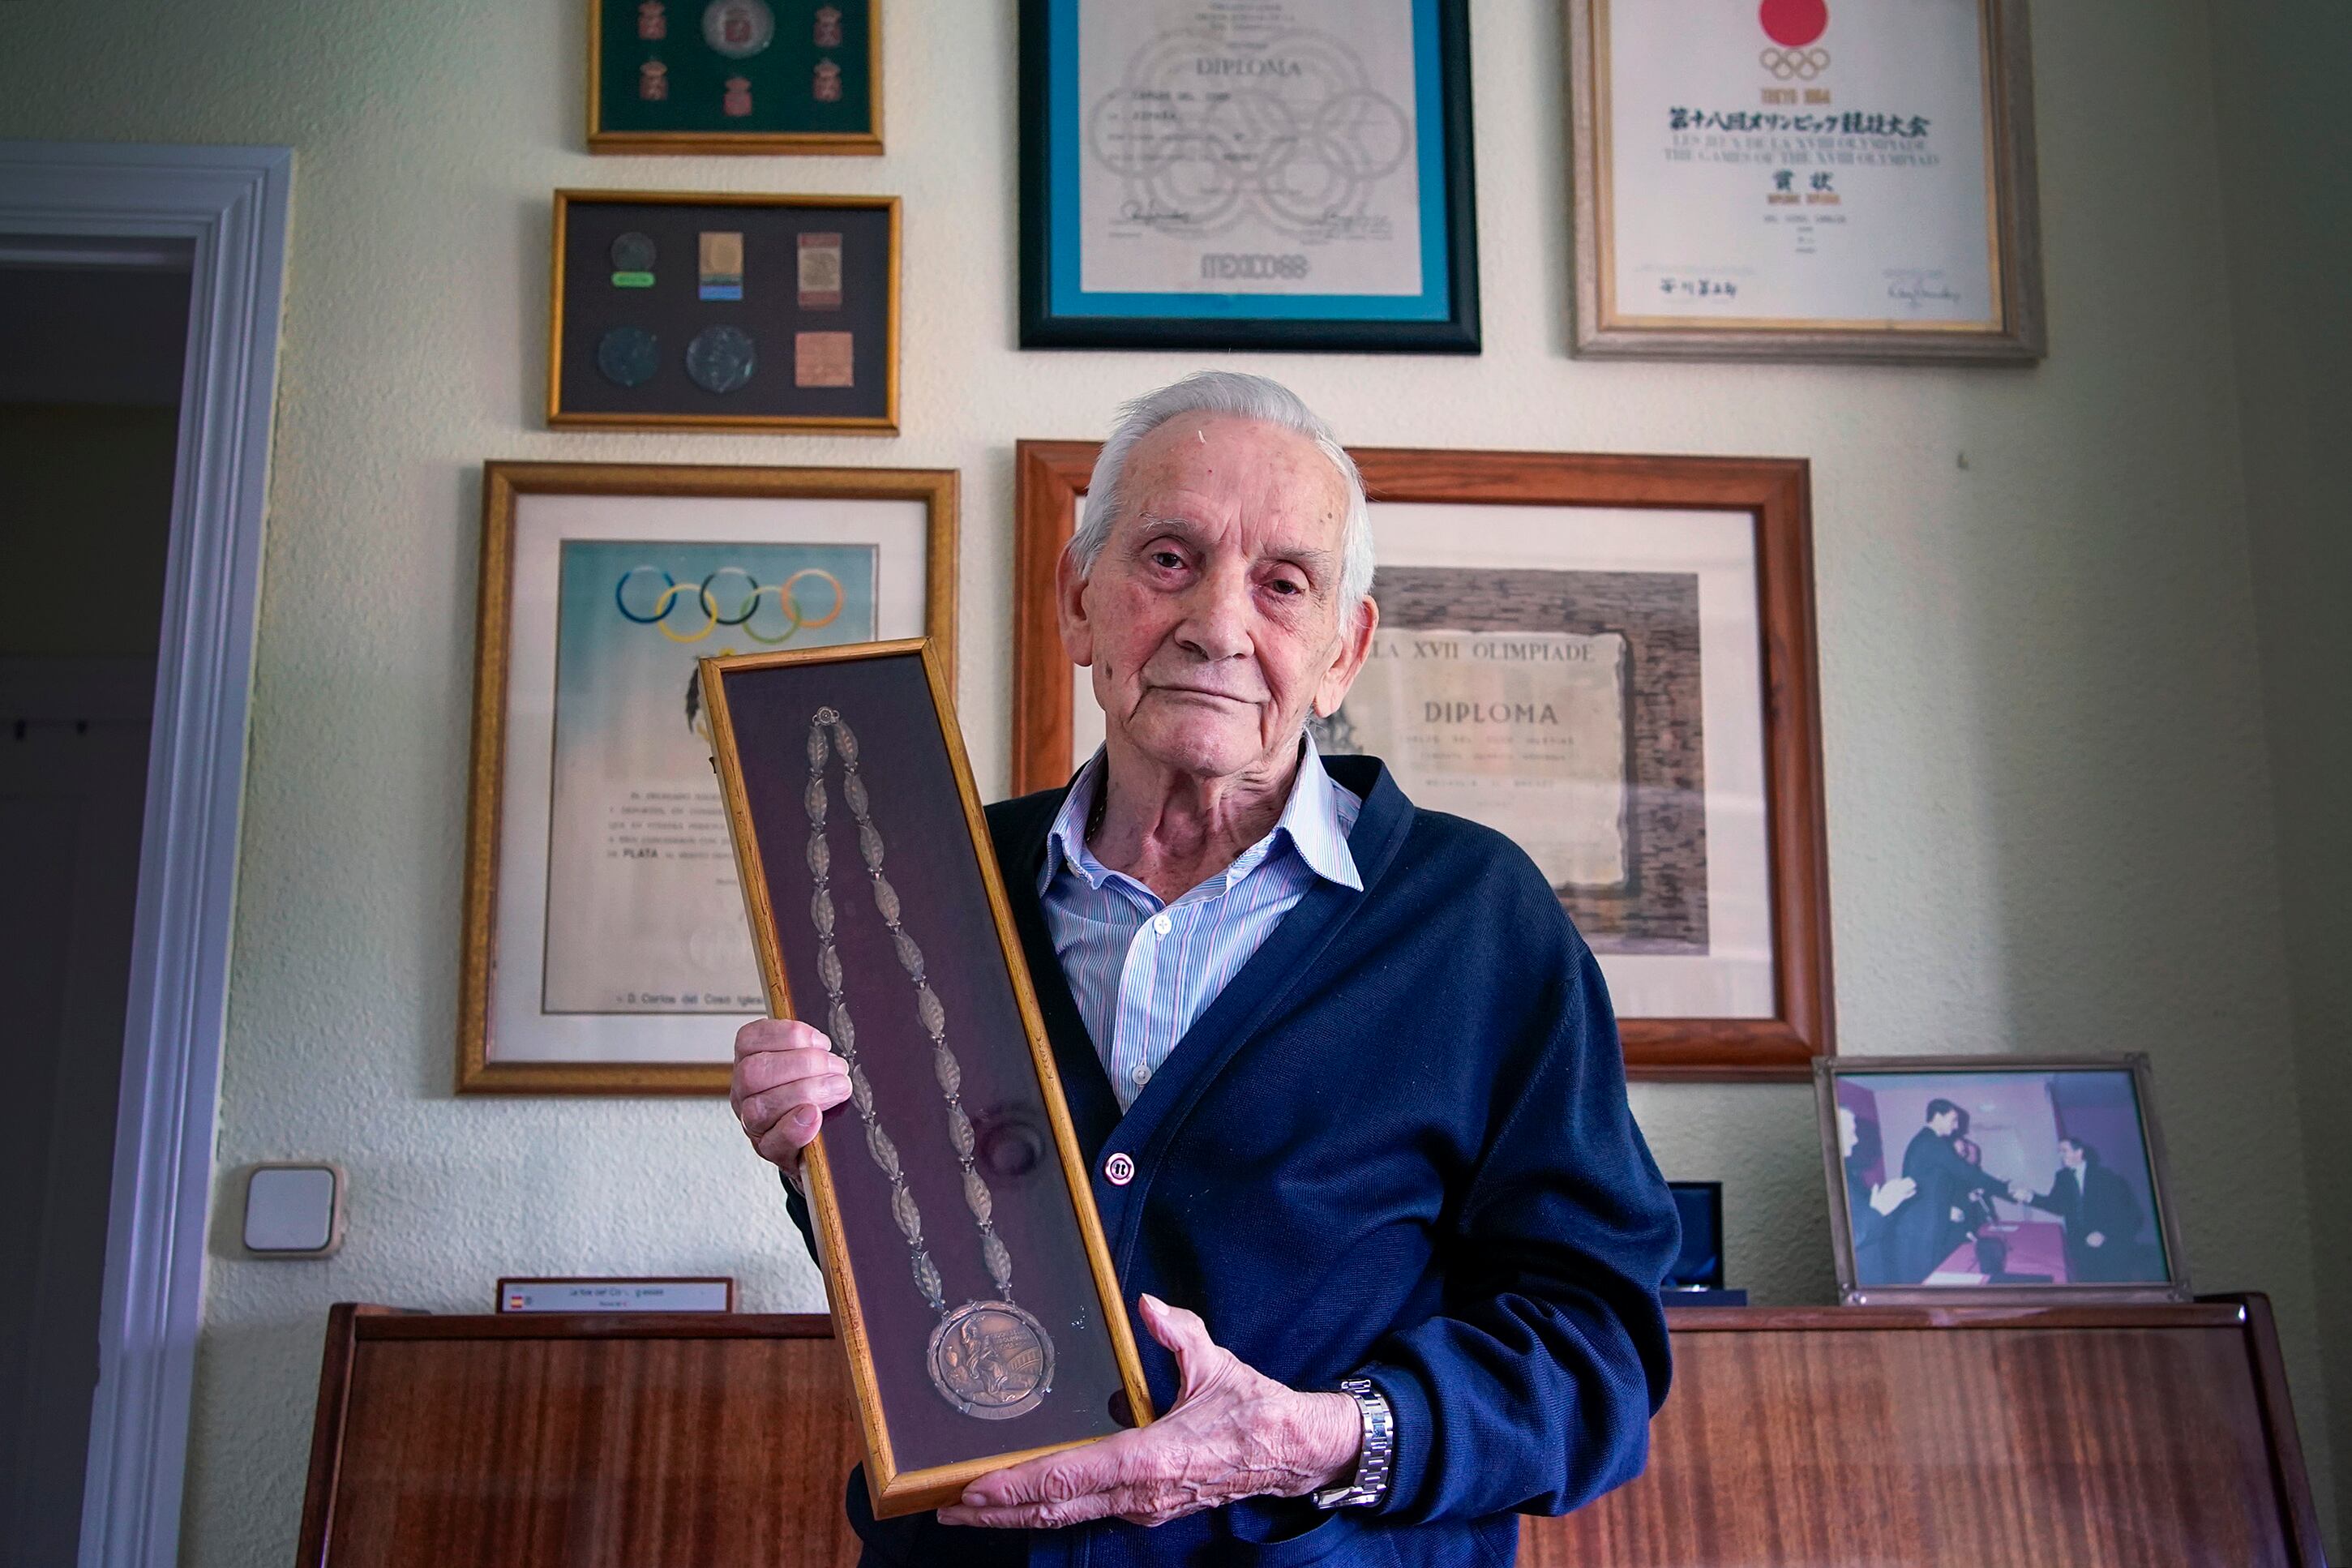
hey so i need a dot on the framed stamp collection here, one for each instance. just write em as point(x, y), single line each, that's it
point(605, 950)
point(1999, 1179)
point(1797, 180)
point(1288, 174)
point(875, 907)
point(735, 76)
point(673, 310)
point(1608, 658)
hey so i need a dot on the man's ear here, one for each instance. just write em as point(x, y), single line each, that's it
point(1070, 610)
point(1355, 647)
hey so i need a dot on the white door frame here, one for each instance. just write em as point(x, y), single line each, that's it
point(230, 203)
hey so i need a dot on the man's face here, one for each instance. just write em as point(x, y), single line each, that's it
point(2071, 1155)
point(1942, 1123)
point(1212, 619)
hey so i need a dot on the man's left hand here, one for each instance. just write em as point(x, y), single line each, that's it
point(1233, 1433)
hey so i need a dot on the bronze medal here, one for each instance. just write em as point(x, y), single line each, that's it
point(992, 1359)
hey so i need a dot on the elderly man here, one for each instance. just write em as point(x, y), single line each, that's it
point(1346, 1077)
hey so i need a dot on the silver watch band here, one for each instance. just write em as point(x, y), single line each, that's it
point(1370, 1481)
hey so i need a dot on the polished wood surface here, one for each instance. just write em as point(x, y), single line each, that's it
point(1855, 1436)
point(587, 1441)
point(1832, 1438)
point(1050, 477)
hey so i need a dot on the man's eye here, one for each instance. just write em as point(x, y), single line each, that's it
point(1285, 585)
point(1167, 558)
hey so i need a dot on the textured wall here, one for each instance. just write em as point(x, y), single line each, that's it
point(2050, 818)
point(2286, 165)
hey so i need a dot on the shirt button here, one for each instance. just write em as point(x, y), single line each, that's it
point(1141, 1074)
point(1163, 925)
point(1119, 1170)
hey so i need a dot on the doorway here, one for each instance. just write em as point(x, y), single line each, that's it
point(139, 290)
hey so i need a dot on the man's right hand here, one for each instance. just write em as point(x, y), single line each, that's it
point(786, 1079)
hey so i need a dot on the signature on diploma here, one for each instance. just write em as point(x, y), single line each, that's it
point(1916, 290)
point(1151, 215)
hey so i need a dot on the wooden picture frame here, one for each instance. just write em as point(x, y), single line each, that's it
point(2013, 331)
point(1059, 310)
point(2023, 1126)
point(802, 358)
point(858, 1207)
point(1772, 494)
point(615, 501)
point(792, 69)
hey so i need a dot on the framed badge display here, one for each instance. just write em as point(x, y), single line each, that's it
point(1804, 179)
point(735, 76)
point(603, 948)
point(1610, 659)
point(1283, 174)
point(673, 310)
point(970, 1283)
point(1998, 1179)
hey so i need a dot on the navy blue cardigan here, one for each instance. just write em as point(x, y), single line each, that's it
point(1397, 1145)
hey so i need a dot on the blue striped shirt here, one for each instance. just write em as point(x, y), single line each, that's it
point(1142, 971)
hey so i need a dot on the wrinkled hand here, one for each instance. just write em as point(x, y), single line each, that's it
point(1233, 1433)
point(786, 1077)
point(1888, 1196)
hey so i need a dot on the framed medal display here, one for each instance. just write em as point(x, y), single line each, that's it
point(1607, 658)
point(603, 949)
point(965, 1263)
point(735, 76)
point(674, 310)
point(1283, 175)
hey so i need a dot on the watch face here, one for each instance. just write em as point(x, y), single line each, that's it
point(628, 356)
point(633, 252)
point(719, 359)
point(739, 29)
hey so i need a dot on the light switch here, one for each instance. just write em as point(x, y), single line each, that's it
point(294, 1210)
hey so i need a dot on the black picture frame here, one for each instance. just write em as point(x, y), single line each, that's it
point(1044, 327)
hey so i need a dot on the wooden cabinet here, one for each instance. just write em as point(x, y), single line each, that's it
point(1845, 1435)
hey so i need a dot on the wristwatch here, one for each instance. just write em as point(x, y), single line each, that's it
point(1371, 1482)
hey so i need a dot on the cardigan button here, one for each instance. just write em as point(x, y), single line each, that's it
point(1119, 1170)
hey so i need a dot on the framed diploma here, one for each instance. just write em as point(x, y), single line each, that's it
point(1804, 179)
point(970, 1283)
point(734, 76)
point(1608, 658)
point(1282, 174)
point(672, 311)
point(603, 949)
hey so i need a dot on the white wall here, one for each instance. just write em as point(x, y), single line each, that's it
point(2050, 818)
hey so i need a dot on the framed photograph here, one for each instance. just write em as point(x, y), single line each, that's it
point(1608, 658)
point(734, 76)
point(1284, 175)
point(965, 1262)
point(1802, 180)
point(673, 310)
point(1997, 1178)
point(605, 950)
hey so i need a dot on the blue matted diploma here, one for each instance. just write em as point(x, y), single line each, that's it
point(1290, 175)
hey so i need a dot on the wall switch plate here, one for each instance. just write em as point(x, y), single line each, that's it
point(294, 1209)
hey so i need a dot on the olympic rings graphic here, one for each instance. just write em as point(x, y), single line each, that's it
point(1804, 65)
point(658, 615)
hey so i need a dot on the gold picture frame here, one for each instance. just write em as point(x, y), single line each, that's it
point(898, 1488)
point(493, 821)
point(710, 141)
point(567, 391)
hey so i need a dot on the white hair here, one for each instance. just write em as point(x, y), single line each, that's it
point(1242, 397)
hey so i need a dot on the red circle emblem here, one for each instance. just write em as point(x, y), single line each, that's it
point(1794, 23)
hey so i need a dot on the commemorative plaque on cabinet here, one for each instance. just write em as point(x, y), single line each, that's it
point(963, 1254)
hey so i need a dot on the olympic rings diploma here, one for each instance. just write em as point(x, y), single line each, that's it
point(1855, 171)
point(963, 1256)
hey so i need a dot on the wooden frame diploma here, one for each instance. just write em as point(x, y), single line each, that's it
point(1609, 660)
point(965, 1264)
point(1804, 179)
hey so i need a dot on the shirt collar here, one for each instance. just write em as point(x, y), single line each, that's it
point(1310, 821)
